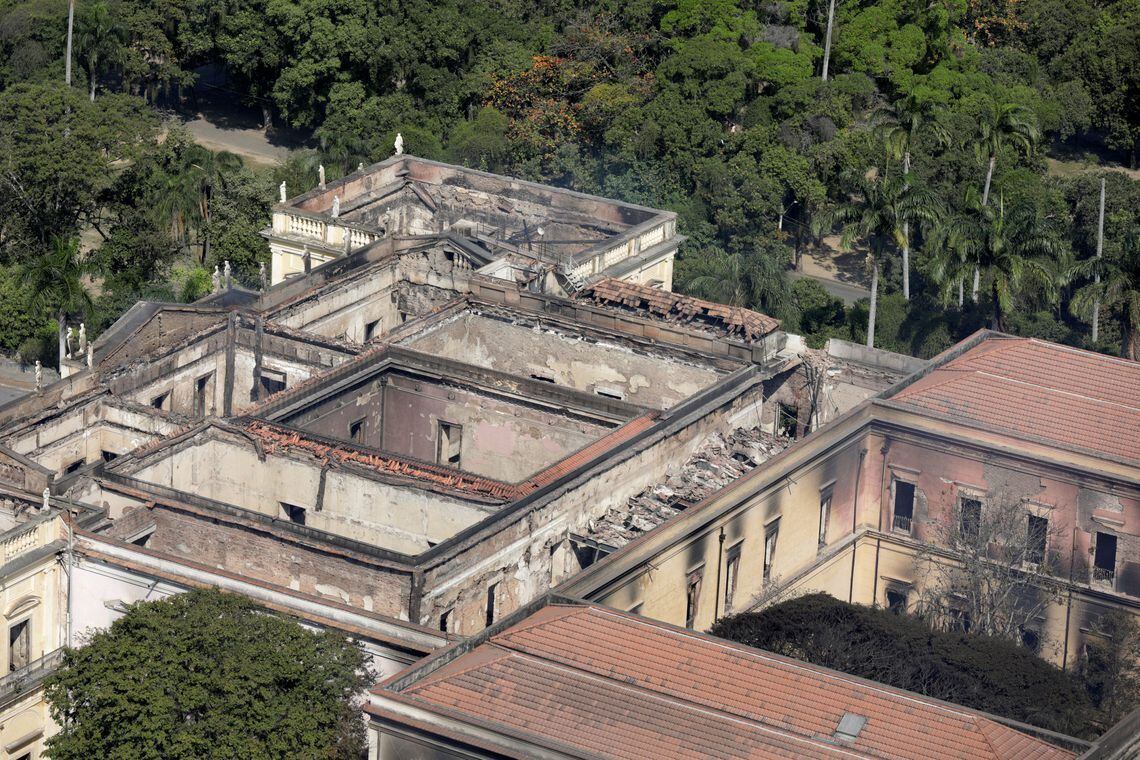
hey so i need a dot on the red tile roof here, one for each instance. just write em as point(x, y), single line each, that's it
point(613, 685)
point(276, 437)
point(733, 320)
point(1033, 389)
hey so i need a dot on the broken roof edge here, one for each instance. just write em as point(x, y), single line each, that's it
point(556, 320)
point(670, 421)
point(752, 325)
point(314, 538)
point(408, 160)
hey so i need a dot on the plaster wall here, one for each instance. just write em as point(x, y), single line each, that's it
point(501, 438)
point(530, 350)
point(519, 557)
point(401, 518)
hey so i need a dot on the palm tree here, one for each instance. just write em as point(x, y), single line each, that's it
point(100, 40)
point(877, 214)
point(184, 200)
point(756, 280)
point(1118, 290)
point(1002, 123)
point(1014, 248)
point(908, 121)
point(952, 246)
point(56, 282)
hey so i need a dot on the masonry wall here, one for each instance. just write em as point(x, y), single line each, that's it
point(400, 518)
point(586, 364)
point(262, 556)
point(519, 557)
point(791, 507)
point(864, 570)
point(83, 433)
point(345, 310)
point(501, 438)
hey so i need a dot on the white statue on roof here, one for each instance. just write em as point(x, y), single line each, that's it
point(282, 190)
point(321, 176)
point(82, 337)
point(227, 273)
point(67, 341)
point(216, 280)
point(336, 206)
point(399, 144)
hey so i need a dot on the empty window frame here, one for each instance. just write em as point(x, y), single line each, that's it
point(787, 420)
point(731, 575)
point(356, 431)
point(109, 456)
point(19, 644)
point(272, 381)
point(449, 443)
point(1036, 538)
point(445, 620)
point(771, 534)
point(693, 595)
point(161, 401)
point(74, 466)
point(203, 395)
point(492, 602)
point(904, 506)
point(295, 514)
point(372, 330)
point(1104, 557)
point(1030, 638)
point(824, 514)
point(609, 393)
point(897, 599)
point(969, 518)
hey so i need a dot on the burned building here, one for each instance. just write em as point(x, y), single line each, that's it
point(459, 391)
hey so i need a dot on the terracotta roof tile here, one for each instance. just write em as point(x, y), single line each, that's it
point(619, 686)
point(1031, 388)
point(733, 320)
point(609, 441)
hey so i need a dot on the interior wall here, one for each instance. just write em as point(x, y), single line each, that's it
point(569, 360)
point(500, 438)
point(396, 517)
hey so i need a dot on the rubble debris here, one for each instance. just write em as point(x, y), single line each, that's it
point(732, 320)
point(719, 461)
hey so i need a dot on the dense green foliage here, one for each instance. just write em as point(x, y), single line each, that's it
point(714, 109)
point(990, 674)
point(208, 674)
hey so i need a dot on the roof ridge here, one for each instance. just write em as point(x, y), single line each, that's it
point(1051, 389)
point(1130, 363)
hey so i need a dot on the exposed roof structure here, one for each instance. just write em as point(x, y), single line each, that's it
point(1042, 391)
point(731, 320)
point(589, 681)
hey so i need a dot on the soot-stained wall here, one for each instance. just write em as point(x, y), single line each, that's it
point(656, 381)
point(499, 438)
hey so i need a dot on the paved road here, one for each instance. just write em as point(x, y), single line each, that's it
point(251, 144)
point(849, 293)
point(16, 382)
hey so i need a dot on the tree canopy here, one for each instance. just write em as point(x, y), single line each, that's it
point(716, 110)
point(208, 674)
point(983, 672)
